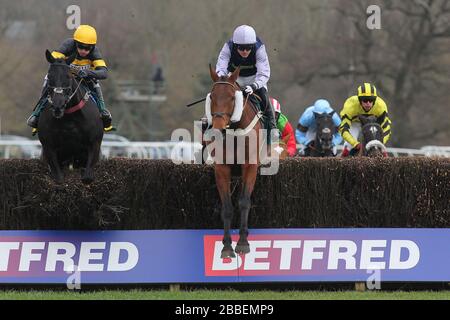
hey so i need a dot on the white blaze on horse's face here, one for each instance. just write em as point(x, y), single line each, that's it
point(220, 119)
point(326, 138)
point(326, 130)
point(374, 130)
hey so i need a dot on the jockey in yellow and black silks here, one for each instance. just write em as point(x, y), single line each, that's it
point(88, 65)
point(366, 102)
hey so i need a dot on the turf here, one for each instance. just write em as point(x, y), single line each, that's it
point(222, 295)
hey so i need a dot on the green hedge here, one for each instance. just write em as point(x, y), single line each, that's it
point(157, 194)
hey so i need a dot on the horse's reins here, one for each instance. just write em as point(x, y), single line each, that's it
point(60, 90)
point(77, 107)
point(82, 102)
point(221, 114)
point(73, 94)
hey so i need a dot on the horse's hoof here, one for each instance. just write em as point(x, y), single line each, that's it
point(242, 248)
point(227, 252)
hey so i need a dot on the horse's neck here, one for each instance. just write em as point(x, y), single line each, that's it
point(79, 94)
point(317, 144)
point(248, 114)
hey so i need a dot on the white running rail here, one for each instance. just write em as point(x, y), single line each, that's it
point(10, 149)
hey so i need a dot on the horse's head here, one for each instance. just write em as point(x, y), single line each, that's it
point(281, 147)
point(60, 80)
point(372, 135)
point(223, 97)
point(325, 130)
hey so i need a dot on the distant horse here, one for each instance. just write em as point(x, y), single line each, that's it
point(322, 146)
point(372, 137)
point(70, 128)
point(281, 148)
point(225, 93)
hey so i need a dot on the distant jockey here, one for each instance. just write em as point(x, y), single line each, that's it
point(284, 127)
point(306, 128)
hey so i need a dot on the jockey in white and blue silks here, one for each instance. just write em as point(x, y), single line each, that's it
point(247, 51)
point(306, 128)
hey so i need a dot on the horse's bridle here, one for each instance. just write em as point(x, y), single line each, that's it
point(319, 138)
point(60, 90)
point(222, 114)
point(377, 125)
point(375, 142)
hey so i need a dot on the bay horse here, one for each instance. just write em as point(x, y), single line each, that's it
point(322, 146)
point(372, 137)
point(223, 96)
point(70, 128)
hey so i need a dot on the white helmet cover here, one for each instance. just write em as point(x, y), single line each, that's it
point(244, 35)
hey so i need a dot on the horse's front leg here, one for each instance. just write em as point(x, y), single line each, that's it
point(223, 178)
point(52, 159)
point(249, 172)
point(93, 156)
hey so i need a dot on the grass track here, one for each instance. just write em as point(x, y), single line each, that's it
point(222, 295)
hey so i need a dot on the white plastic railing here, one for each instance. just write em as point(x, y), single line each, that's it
point(437, 150)
point(170, 150)
point(140, 150)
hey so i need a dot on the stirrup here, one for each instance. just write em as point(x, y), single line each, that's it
point(34, 131)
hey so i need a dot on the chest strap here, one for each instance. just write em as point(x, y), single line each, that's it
point(79, 106)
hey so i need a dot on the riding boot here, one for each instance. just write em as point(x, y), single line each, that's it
point(104, 113)
point(205, 124)
point(33, 120)
point(269, 112)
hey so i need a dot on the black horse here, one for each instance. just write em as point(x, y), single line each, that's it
point(322, 146)
point(372, 137)
point(70, 128)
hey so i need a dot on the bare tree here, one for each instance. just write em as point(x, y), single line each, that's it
point(405, 59)
point(317, 49)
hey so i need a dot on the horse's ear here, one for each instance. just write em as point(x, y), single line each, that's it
point(316, 115)
point(362, 118)
point(49, 56)
point(213, 74)
point(373, 119)
point(71, 58)
point(331, 113)
point(235, 74)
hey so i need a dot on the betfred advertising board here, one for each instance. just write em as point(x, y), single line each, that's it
point(193, 256)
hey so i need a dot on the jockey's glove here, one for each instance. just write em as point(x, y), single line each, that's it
point(84, 74)
point(249, 89)
point(99, 73)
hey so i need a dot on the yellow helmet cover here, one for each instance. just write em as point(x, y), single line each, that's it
point(85, 34)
